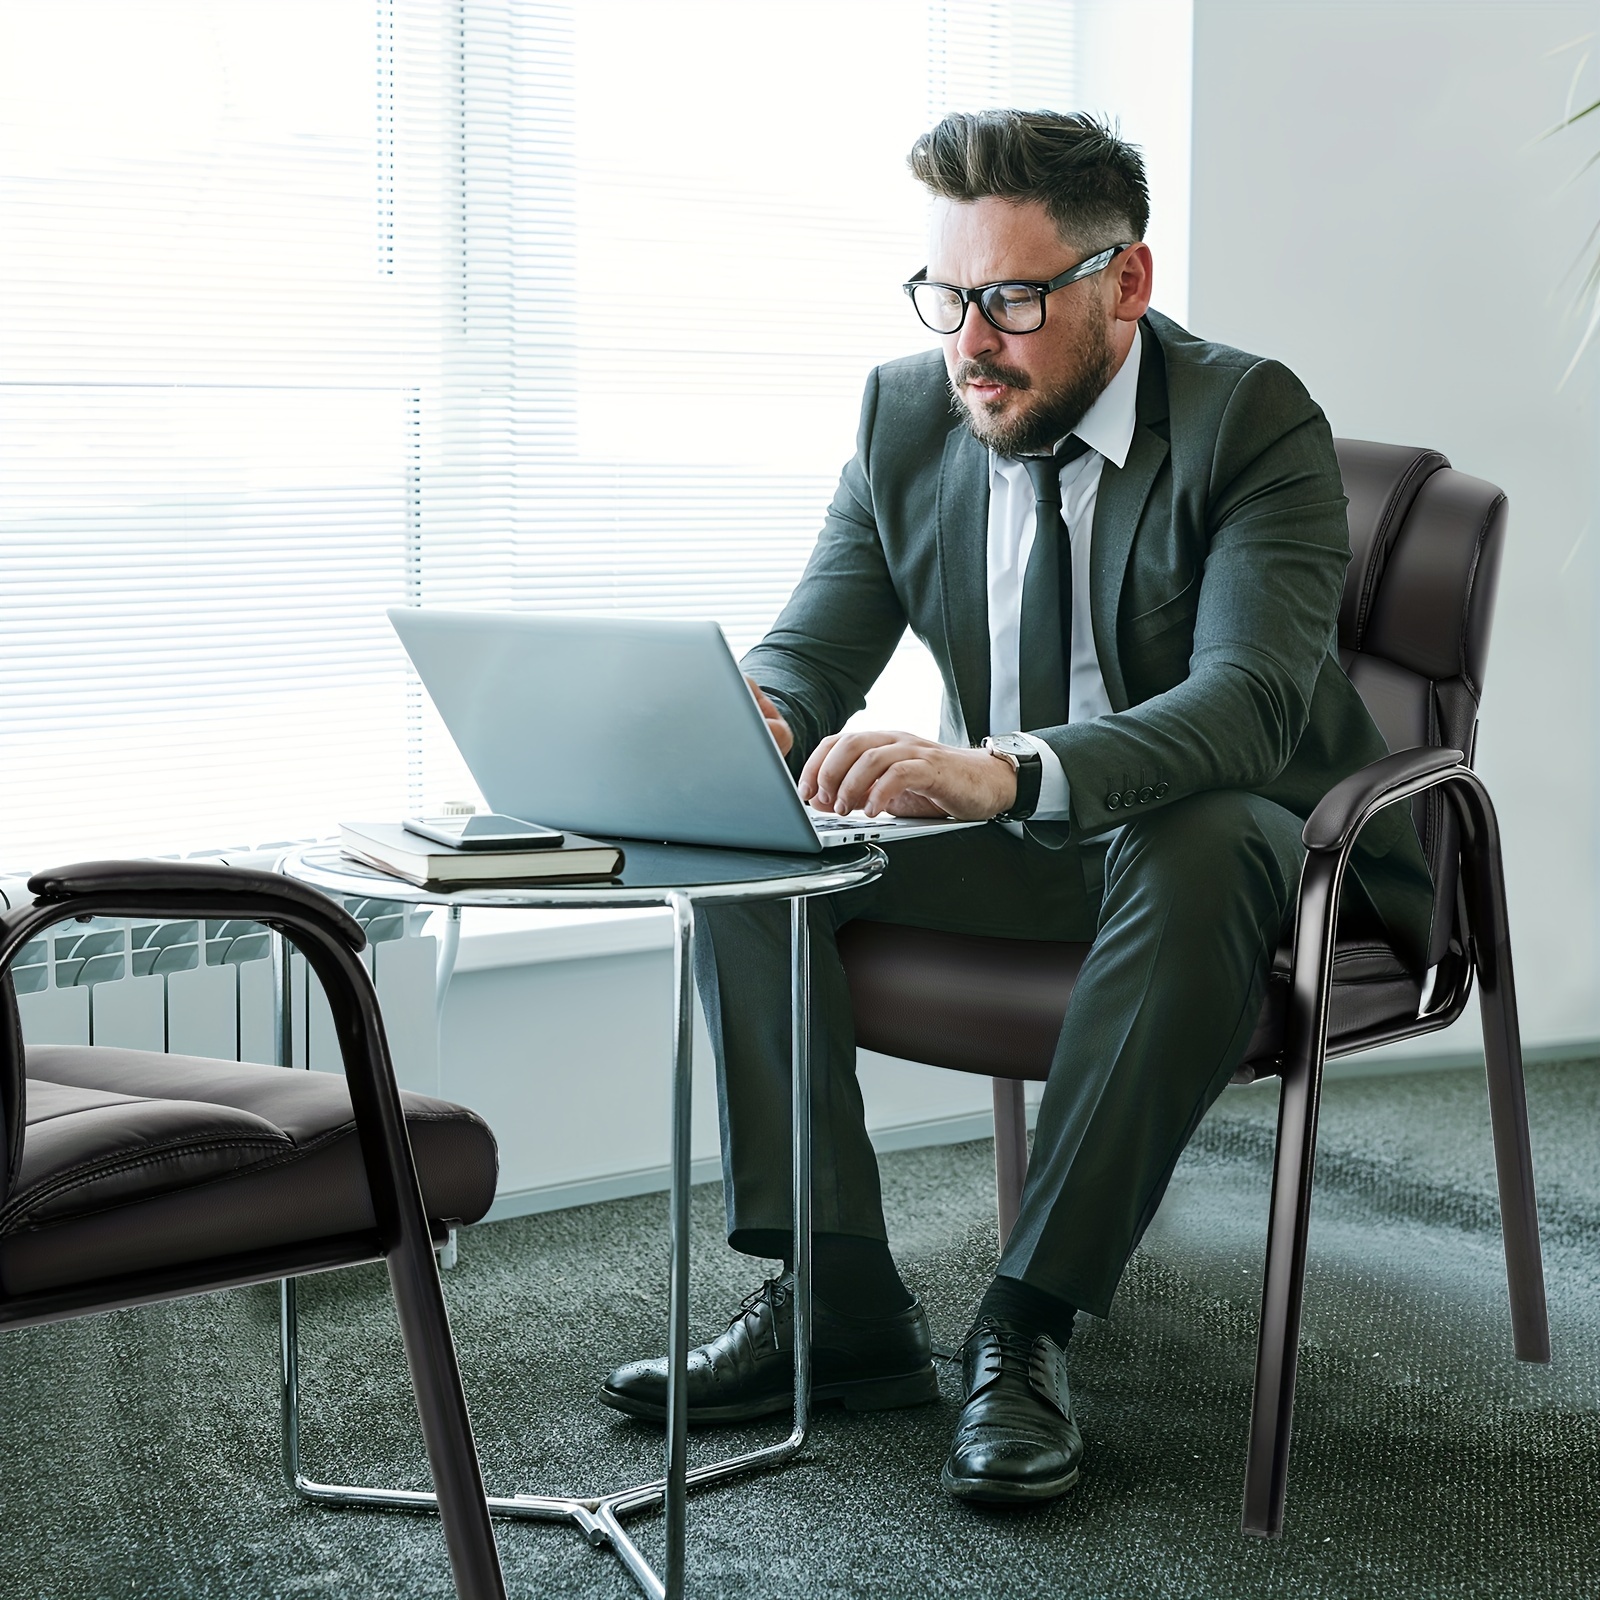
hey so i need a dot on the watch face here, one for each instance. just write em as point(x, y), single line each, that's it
point(1014, 745)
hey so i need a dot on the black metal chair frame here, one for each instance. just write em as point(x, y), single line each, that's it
point(1461, 837)
point(1483, 947)
point(331, 941)
point(1330, 835)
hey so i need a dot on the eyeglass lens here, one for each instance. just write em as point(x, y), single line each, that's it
point(1013, 307)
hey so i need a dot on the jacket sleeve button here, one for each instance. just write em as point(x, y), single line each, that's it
point(1161, 789)
point(1130, 798)
point(1113, 801)
point(1145, 794)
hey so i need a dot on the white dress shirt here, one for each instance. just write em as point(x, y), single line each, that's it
point(1107, 428)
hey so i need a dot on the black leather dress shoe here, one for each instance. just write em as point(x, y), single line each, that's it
point(747, 1371)
point(1016, 1441)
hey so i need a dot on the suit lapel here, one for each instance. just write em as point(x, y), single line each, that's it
point(1119, 504)
point(963, 520)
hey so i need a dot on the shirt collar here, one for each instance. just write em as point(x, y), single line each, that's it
point(1108, 424)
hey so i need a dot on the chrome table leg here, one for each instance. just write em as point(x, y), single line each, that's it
point(678, 1294)
point(444, 969)
point(800, 1124)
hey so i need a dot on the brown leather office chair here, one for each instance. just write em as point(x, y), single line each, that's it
point(1413, 635)
point(128, 1177)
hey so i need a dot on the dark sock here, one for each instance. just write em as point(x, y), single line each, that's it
point(771, 1244)
point(857, 1275)
point(1030, 1309)
point(852, 1274)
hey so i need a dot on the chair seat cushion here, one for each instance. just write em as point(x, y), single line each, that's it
point(87, 1149)
point(995, 1006)
point(133, 1160)
point(957, 1000)
point(1372, 990)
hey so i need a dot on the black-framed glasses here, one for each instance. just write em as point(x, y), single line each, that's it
point(1012, 307)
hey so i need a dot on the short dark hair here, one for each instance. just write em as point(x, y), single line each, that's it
point(1089, 179)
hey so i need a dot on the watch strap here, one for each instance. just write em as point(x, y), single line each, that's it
point(1024, 759)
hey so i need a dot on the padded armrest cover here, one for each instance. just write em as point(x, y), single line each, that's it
point(130, 880)
point(1333, 822)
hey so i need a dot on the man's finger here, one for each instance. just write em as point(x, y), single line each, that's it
point(852, 747)
point(777, 723)
point(763, 699)
point(808, 773)
point(835, 774)
point(851, 793)
point(912, 804)
point(782, 734)
point(834, 759)
point(906, 776)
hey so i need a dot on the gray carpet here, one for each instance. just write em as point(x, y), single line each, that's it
point(140, 1448)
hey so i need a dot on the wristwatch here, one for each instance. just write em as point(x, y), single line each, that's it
point(1024, 761)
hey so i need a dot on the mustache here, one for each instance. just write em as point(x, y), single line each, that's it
point(970, 371)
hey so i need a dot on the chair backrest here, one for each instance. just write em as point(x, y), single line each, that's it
point(1414, 624)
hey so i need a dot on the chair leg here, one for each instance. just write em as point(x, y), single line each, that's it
point(1277, 1355)
point(446, 1427)
point(1513, 1157)
point(1282, 1294)
point(402, 1226)
point(1266, 1475)
point(1484, 880)
point(1010, 1152)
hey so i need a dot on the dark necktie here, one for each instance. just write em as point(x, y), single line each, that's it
point(1044, 644)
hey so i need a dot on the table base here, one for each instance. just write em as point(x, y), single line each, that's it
point(597, 1517)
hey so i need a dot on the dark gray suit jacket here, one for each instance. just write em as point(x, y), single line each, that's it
point(1217, 565)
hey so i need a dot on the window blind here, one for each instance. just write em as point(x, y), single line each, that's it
point(206, 427)
point(687, 226)
point(310, 307)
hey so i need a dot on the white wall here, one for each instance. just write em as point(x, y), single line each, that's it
point(1372, 203)
point(560, 1034)
point(1132, 61)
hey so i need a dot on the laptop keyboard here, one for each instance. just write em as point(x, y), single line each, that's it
point(855, 821)
point(832, 822)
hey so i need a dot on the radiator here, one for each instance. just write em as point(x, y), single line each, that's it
point(205, 988)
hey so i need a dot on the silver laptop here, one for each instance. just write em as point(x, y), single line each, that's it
point(623, 727)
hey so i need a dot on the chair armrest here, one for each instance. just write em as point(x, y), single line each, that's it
point(324, 933)
point(1342, 810)
point(193, 888)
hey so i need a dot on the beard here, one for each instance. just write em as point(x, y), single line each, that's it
point(1050, 414)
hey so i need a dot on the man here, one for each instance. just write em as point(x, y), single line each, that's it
point(1125, 548)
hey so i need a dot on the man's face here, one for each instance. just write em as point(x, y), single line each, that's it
point(1019, 393)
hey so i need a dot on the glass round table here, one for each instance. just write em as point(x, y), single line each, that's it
point(680, 878)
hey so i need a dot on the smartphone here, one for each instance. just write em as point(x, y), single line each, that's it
point(485, 831)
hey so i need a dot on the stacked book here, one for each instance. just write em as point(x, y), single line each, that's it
point(394, 849)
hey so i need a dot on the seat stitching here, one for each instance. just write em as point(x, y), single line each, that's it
point(292, 1154)
point(73, 1111)
point(1466, 601)
point(21, 1205)
point(83, 1175)
point(1420, 466)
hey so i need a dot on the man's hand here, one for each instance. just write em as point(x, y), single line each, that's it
point(782, 736)
point(907, 776)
